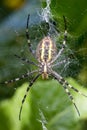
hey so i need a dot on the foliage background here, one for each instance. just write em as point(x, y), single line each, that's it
point(47, 107)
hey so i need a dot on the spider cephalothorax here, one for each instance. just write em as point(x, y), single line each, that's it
point(46, 55)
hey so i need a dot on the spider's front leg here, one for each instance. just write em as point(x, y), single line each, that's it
point(64, 42)
point(58, 64)
point(28, 36)
point(26, 60)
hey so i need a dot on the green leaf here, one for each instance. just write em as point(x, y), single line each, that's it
point(47, 107)
point(75, 11)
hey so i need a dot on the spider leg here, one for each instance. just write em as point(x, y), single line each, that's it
point(76, 90)
point(27, 90)
point(19, 78)
point(70, 86)
point(64, 42)
point(59, 53)
point(26, 60)
point(28, 36)
point(65, 33)
point(63, 83)
point(59, 63)
point(70, 96)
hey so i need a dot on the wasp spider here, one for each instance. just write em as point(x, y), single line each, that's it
point(46, 55)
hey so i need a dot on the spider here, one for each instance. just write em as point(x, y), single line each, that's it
point(46, 55)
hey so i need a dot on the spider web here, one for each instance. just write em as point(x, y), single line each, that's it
point(13, 41)
point(46, 18)
point(69, 68)
point(55, 34)
point(73, 65)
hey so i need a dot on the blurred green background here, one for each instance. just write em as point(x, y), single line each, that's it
point(47, 106)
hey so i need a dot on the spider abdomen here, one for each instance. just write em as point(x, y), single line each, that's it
point(46, 50)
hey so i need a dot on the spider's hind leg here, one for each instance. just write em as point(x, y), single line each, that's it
point(65, 85)
point(23, 76)
point(76, 90)
point(71, 98)
point(27, 90)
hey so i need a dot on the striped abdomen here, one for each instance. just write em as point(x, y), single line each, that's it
point(46, 50)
